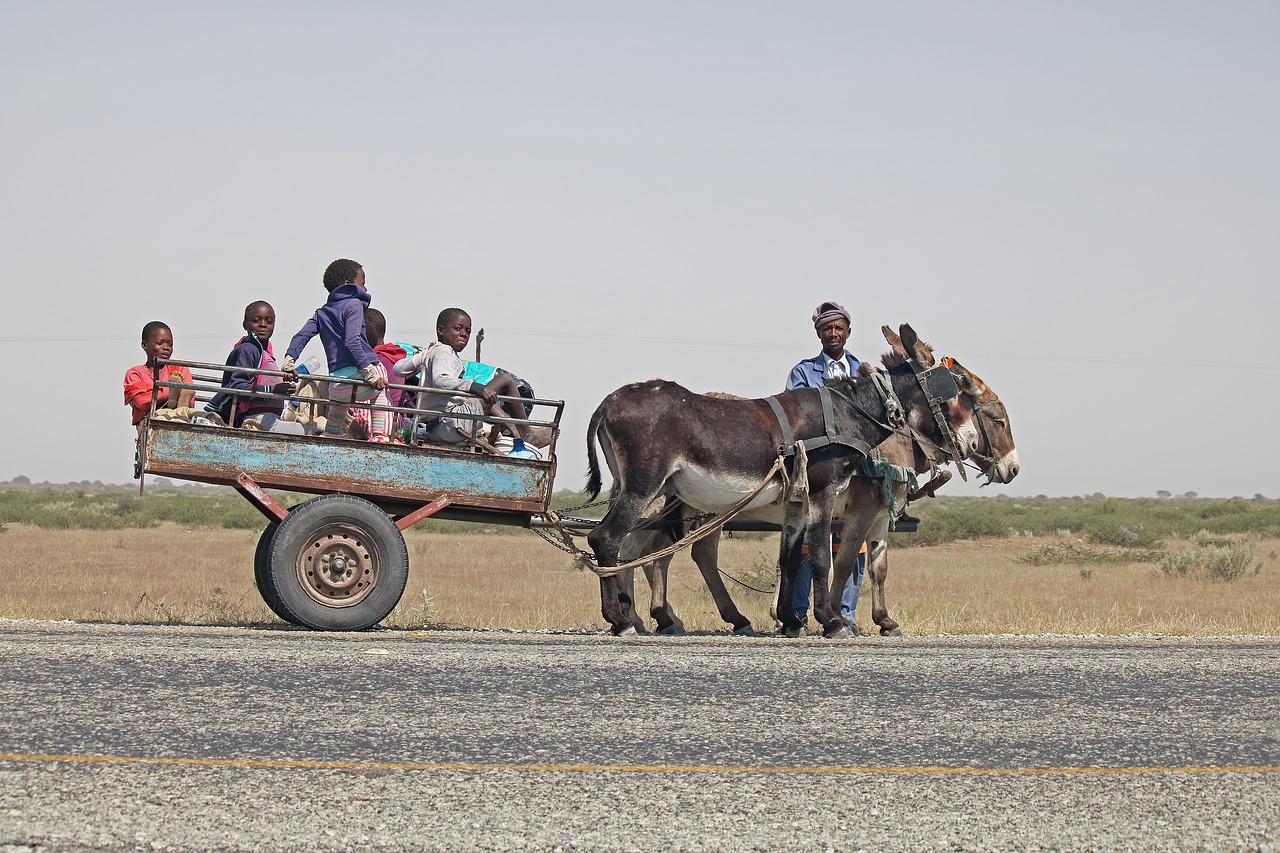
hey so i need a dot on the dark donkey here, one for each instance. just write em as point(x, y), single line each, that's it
point(662, 440)
point(866, 507)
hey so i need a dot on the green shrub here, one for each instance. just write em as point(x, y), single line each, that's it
point(1211, 560)
point(1069, 553)
point(1108, 532)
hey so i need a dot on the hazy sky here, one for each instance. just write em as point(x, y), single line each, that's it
point(1079, 200)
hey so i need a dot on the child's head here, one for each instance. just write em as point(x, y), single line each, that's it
point(260, 320)
point(453, 327)
point(343, 271)
point(157, 341)
point(375, 327)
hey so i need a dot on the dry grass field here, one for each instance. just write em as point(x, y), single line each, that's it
point(514, 580)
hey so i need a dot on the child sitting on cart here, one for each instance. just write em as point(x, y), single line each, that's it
point(375, 325)
point(340, 325)
point(157, 342)
point(254, 351)
point(445, 371)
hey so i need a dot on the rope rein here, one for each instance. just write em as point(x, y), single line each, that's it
point(586, 560)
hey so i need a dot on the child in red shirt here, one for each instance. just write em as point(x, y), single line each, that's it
point(157, 342)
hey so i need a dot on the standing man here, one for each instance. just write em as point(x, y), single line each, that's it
point(832, 322)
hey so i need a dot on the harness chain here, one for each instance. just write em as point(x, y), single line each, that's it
point(587, 560)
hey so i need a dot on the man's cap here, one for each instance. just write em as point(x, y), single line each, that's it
point(828, 311)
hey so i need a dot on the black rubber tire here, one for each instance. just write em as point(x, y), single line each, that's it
point(338, 563)
point(262, 574)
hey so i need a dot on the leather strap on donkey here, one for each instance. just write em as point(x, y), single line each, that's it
point(798, 487)
point(938, 386)
point(830, 436)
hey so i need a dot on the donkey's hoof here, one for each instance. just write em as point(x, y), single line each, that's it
point(895, 631)
point(795, 632)
point(745, 630)
point(839, 633)
point(629, 631)
point(675, 629)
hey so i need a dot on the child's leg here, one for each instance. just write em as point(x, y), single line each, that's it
point(340, 396)
point(505, 386)
point(377, 423)
point(373, 424)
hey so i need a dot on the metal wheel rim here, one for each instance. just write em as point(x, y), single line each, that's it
point(339, 565)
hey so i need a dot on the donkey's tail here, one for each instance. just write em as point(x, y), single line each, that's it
point(594, 484)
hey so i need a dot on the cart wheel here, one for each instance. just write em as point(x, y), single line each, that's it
point(262, 574)
point(338, 563)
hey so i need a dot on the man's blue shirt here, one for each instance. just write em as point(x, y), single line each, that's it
point(813, 372)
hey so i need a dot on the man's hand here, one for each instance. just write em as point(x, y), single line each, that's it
point(487, 394)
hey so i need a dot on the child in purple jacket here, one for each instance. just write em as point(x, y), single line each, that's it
point(340, 325)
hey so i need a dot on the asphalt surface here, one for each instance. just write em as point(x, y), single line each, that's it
point(123, 737)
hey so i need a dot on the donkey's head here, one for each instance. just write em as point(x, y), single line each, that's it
point(976, 419)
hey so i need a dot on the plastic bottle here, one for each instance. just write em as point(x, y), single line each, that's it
point(311, 365)
point(520, 451)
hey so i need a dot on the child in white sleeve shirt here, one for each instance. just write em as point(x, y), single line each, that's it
point(444, 371)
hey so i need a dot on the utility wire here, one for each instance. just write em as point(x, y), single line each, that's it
point(424, 334)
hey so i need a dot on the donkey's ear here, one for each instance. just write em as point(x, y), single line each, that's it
point(894, 341)
point(968, 383)
point(917, 350)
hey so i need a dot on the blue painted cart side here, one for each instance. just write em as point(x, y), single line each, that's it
point(386, 474)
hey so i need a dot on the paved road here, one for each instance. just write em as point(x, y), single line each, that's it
point(188, 738)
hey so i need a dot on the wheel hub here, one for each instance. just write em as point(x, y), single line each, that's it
point(339, 565)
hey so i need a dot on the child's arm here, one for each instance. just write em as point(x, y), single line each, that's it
point(244, 355)
point(137, 387)
point(444, 370)
point(410, 365)
point(299, 342)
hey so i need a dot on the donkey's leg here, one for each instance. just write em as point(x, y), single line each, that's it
point(794, 526)
point(706, 553)
point(635, 546)
point(878, 571)
point(605, 541)
point(857, 518)
point(821, 505)
point(627, 587)
point(615, 607)
point(659, 604)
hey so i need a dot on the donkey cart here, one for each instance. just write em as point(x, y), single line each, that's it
point(338, 561)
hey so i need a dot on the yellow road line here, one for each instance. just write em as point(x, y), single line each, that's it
point(629, 768)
